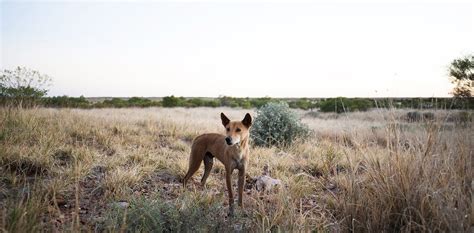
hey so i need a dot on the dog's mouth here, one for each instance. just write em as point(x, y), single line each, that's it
point(231, 142)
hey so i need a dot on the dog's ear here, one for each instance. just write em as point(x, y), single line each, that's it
point(225, 120)
point(247, 121)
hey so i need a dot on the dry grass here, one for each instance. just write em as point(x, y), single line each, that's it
point(64, 169)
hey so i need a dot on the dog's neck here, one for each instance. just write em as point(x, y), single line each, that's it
point(242, 145)
point(239, 150)
point(244, 142)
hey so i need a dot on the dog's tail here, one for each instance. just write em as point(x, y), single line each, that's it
point(195, 160)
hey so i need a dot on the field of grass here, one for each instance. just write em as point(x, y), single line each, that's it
point(120, 170)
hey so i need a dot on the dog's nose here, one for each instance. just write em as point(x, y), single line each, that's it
point(228, 140)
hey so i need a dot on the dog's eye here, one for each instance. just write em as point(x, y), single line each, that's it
point(237, 130)
point(228, 129)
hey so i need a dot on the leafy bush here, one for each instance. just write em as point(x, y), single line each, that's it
point(23, 86)
point(195, 102)
point(276, 124)
point(116, 103)
point(172, 101)
point(259, 102)
point(302, 103)
point(66, 102)
point(140, 102)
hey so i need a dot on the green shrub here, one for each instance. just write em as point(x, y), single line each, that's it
point(246, 104)
point(23, 87)
point(66, 102)
point(172, 101)
point(195, 102)
point(276, 124)
point(116, 103)
point(159, 215)
point(259, 102)
point(144, 216)
point(340, 105)
point(139, 102)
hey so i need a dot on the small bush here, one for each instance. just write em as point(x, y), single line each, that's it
point(413, 116)
point(158, 215)
point(276, 124)
point(145, 216)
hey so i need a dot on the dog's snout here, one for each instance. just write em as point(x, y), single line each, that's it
point(228, 140)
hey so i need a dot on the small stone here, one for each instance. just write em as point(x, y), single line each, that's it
point(266, 183)
point(121, 204)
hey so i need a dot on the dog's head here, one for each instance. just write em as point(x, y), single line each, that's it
point(236, 131)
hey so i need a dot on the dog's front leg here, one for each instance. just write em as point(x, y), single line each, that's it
point(228, 176)
point(241, 184)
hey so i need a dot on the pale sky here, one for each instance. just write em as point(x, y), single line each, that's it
point(239, 48)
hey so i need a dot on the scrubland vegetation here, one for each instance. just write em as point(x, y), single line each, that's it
point(338, 104)
point(120, 170)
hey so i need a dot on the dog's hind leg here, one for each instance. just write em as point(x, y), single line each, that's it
point(194, 164)
point(208, 162)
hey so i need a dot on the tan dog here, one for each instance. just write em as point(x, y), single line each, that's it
point(232, 150)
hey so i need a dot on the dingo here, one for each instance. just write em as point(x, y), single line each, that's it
point(232, 150)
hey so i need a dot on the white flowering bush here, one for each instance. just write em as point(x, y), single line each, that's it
point(277, 125)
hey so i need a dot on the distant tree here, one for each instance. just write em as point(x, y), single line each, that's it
point(259, 102)
point(172, 101)
point(303, 103)
point(461, 72)
point(342, 104)
point(115, 103)
point(23, 86)
point(246, 104)
point(139, 102)
point(195, 102)
point(212, 103)
point(66, 102)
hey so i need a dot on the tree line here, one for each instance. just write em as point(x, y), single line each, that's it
point(338, 105)
point(26, 88)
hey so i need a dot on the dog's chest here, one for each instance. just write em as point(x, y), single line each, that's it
point(238, 155)
point(239, 160)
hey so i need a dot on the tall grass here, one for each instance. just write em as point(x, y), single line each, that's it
point(65, 170)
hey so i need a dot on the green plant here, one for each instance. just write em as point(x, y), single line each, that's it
point(276, 124)
point(461, 72)
point(341, 104)
point(23, 86)
point(172, 101)
point(158, 215)
point(23, 213)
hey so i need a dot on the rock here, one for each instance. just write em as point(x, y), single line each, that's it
point(266, 183)
point(120, 204)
